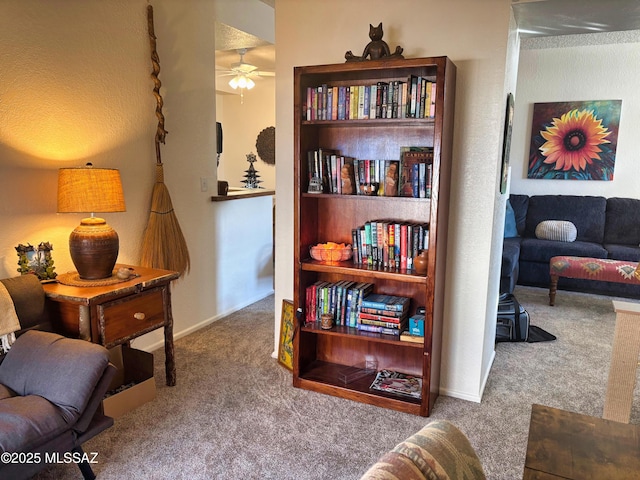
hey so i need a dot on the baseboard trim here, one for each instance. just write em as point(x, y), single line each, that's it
point(466, 396)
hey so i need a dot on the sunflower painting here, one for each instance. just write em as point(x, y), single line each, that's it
point(574, 140)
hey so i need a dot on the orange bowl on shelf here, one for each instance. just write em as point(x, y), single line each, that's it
point(331, 252)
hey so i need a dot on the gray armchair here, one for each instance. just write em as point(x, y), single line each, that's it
point(51, 391)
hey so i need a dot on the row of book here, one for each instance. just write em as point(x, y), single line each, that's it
point(413, 98)
point(342, 299)
point(331, 172)
point(388, 244)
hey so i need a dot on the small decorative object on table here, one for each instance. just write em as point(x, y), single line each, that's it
point(36, 260)
point(331, 252)
point(251, 175)
point(326, 321)
point(376, 48)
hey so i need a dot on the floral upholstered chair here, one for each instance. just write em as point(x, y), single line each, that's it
point(437, 452)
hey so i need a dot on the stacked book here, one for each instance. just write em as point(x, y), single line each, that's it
point(341, 299)
point(381, 313)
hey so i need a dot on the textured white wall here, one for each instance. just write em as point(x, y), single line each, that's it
point(75, 86)
point(599, 66)
point(475, 36)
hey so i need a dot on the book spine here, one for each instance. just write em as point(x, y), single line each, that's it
point(383, 312)
point(415, 180)
point(376, 329)
point(422, 175)
point(392, 325)
point(354, 246)
point(382, 305)
point(381, 318)
point(432, 109)
point(403, 246)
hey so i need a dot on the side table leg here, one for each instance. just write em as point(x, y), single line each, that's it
point(553, 287)
point(170, 363)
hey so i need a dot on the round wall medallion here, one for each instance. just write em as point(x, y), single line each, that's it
point(266, 145)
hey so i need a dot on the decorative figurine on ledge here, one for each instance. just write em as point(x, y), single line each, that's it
point(251, 177)
point(376, 48)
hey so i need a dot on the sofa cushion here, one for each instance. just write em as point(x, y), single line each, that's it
point(623, 221)
point(510, 229)
point(629, 253)
point(585, 212)
point(537, 250)
point(559, 230)
point(519, 203)
point(26, 422)
point(65, 371)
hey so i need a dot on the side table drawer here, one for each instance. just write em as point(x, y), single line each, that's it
point(129, 317)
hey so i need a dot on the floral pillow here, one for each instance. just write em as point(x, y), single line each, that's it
point(559, 230)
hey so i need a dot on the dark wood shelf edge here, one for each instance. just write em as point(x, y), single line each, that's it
point(406, 405)
point(374, 198)
point(348, 268)
point(351, 332)
point(244, 193)
point(362, 122)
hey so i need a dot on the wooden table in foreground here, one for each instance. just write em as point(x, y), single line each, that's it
point(573, 446)
point(116, 314)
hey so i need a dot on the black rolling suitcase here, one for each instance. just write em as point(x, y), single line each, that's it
point(513, 320)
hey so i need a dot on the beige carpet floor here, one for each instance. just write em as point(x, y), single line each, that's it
point(234, 414)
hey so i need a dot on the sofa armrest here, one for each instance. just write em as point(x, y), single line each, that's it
point(438, 451)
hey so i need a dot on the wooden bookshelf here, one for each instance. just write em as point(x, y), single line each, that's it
point(319, 355)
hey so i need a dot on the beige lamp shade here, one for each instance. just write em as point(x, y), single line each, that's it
point(90, 190)
point(93, 245)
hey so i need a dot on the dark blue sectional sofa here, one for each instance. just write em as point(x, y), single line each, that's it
point(606, 228)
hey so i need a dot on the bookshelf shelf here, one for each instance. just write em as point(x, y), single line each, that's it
point(348, 268)
point(322, 377)
point(332, 217)
point(353, 333)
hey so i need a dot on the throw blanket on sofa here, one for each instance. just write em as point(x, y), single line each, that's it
point(9, 323)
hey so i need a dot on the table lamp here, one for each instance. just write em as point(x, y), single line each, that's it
point(93, 244)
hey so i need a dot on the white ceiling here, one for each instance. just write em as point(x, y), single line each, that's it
point(567, 17)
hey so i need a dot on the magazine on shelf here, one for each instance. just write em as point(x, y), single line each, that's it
point(398, 383)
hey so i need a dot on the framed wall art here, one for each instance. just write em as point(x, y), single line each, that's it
point(506, 144)
point(574, 140)
point(287, 327)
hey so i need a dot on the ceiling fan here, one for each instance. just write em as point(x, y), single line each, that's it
point(243, 73)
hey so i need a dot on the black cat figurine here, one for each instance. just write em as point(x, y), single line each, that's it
point(376, 48)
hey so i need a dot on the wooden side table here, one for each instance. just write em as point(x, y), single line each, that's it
point(115, 314)
point(567, 445)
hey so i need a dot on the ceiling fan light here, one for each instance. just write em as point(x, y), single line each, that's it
point(242, 81)
point(250, 84)
point(233, 83)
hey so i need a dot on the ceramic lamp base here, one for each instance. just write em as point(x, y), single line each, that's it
point(94, 248)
